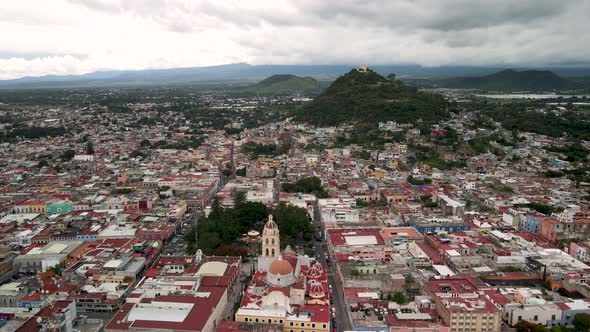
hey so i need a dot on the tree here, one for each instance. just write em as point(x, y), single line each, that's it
point(67, 155)
point(293, 223)
point(89, 148)
point(391, 77)
point(399, 298)
point(216, 209)
point(250, 213)
point(144, 143)
point(42, 163)
point(241, 171)
point(581, 322)
point(239, 197)
point(137, 153)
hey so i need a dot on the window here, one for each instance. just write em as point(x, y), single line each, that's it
point(256, 320)
point(324, 326)
point(245, 319)
point(536, 318)
point(313, 325)
point(270, 320)
point(281, 321)
point(291, 324)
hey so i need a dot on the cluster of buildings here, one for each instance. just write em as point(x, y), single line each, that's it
point(91, 225)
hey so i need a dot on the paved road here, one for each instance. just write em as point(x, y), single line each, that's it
point(342, 321)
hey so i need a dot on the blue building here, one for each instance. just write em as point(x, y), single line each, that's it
point(531, 223)
point(436, 225)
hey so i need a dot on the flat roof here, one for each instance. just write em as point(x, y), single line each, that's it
point(443, 270)
point(216, 269)
point(160, 311)
point(361, 240)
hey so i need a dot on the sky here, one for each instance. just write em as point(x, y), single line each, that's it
point(46, 37)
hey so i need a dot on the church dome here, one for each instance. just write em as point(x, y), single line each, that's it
point(315, 271)
point(280, 267)
point(316, 290)
point(270, 224)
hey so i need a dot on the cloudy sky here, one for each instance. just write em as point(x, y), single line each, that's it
point(39, 37)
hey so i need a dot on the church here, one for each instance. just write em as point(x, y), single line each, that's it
point(288, 291)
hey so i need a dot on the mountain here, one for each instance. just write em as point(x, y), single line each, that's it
point(245, 73)
point(368, 98)
point(512, 80)
point(286, 83)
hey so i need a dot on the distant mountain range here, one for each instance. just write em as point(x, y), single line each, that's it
point(512, 80)
point(243, 73)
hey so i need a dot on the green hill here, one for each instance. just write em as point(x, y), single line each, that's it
point(511, 80)
point(368, 98)
point(285, 83)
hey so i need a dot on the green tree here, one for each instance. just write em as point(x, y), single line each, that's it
point(144, 143)
point(399, 298)
point(581, 322)
point(67, 155)
point(216, 209)
point(42, 163)
point(239, 197)
point(241, 171)
point(89, 148)
point(294, 225)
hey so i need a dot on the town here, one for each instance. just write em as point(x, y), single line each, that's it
point(180, 209)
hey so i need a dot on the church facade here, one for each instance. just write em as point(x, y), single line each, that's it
point(287, 292)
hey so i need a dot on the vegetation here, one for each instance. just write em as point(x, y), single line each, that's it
point(57, 269)
point(89, 148)
point(418, 182)
point(184, 144)
point(294, 226)
point(554, 174)
point(285, 83)
point(544, 208)
point(31, 133)
point(255, 150)
point(361, 154)
point(122, 191)
point(442, 164)
point(369, 98)
point(309, 185)
point(573, 153)
point(397, 297)
point(220, 231)
point(363, 203)
point(218, 234)
point(67, 155)
point(519, 117)
point(581, 322)
point(430, 204)
point(511, 80)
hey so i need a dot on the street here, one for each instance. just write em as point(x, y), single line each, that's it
point(342, 321)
